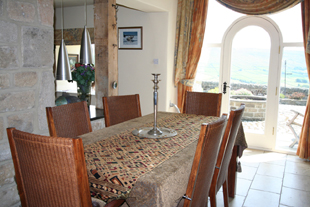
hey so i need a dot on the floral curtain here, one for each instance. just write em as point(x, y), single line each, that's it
point(303, 150)
point(257, 7)
point(191, 21)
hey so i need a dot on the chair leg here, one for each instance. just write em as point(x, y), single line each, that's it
point(225, 194)
point(212, 195)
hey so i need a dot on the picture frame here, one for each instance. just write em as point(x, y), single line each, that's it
point(130, 38)
point(73, 58)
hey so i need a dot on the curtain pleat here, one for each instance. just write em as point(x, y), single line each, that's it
point(258, 7)
point(191, 21)
point(303, 150)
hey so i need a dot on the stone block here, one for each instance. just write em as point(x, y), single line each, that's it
point(9, 196)
point(21, 11)
point(250, 110)
point(46, 98)
point(4, 81)
point(8, 57)
point(2, 127)
point(97, 124)
point(1, 8)
point(247, 114)
point(25, 79)
point(37, 47)
point(260, 115)
point(262, 110)
point(17, 101)
point(8, 32)
point(46, 12)
point(7, 174)
point(5, 152)
point(249, 105)
point(23, 122)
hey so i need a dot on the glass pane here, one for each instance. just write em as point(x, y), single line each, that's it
point(249, 76)
point(216, 25)
point(289, 22)
point(293, 97)
point(208, 70)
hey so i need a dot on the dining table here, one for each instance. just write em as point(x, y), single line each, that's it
point(146, 172)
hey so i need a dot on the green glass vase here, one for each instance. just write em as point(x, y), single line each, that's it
point(84, 93)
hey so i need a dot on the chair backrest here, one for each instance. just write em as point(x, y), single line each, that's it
point(118, 109)
point(69, 120)
point(49, 171)
point(204, 162)
point(208, 104)
point(227, 145)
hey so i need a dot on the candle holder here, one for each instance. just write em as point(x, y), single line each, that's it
point(155, 132)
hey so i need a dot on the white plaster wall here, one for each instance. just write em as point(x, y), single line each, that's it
point(136, 66)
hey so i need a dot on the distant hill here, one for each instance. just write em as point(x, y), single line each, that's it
point(252, 65)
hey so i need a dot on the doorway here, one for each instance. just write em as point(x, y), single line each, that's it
point(251, 59)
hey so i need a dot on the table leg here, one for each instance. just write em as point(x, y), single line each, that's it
point(232, 173)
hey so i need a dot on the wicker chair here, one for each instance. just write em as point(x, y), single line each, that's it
point(118, 109)
point(221, 170)
point(50, 171)
point(70, 120)
point(208, 104)
point(204, 162)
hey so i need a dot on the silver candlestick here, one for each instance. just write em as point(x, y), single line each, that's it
point(154, 132)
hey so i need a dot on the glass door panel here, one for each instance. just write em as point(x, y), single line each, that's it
point(208, 70)
point(249, 76)
point(250, 69)
point(294, 86)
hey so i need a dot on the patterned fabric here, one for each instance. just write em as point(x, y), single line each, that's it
point(303, 150)
point(191, 22)
point(72, 36)
point(258, 7)
point(183, 34)
point(114, 164)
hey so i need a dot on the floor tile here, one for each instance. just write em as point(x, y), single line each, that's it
point(267, 183)
point(248, 152)
point(233, 202)
point(274, 158)
point(270, 170)
point(299, 168)
point(247, 173)
point(248, 162)
point(296, 198)
point(258, 198)
point(243, 186)
point(299, 182)
point(294, 158)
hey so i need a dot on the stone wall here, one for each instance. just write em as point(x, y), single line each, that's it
point(26, 78)
point(256, 89)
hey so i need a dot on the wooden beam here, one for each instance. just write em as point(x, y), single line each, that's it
point(106, 50)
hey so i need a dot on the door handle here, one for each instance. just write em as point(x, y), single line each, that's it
point(224, 88)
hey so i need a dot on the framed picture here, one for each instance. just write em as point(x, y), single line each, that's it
point(73, 58)
point(130, 38)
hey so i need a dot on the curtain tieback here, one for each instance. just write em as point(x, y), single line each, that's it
point(188, 82)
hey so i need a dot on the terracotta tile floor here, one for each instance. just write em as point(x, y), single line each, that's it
point(270, 179)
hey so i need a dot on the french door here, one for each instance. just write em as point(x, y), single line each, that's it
point(247, 66)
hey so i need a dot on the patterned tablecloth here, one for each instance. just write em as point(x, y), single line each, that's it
point(116, 159)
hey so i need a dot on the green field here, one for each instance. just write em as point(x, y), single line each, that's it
point(252, 65)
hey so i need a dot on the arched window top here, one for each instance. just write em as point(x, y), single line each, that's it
point(258, 7)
